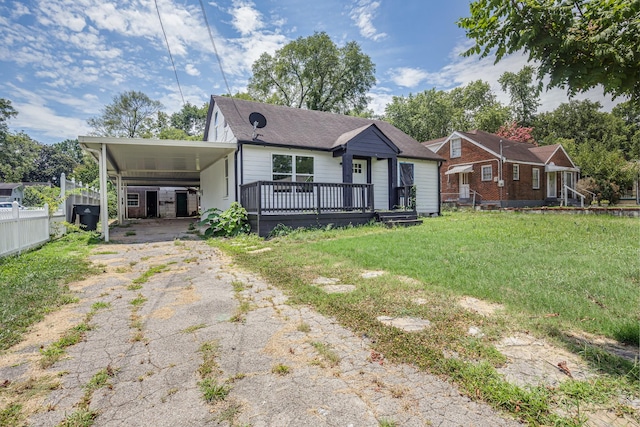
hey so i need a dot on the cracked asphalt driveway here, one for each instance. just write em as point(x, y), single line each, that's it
point(163, 295)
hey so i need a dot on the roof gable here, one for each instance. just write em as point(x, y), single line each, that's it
point(368, 140)
point(315, 130)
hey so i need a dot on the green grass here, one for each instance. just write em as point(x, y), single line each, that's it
point(34, 283)
point(150, 272)
point(582, 270)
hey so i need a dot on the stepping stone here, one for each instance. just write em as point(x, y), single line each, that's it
point(474, 331)
point(409, 324)
point(419, 301)
point(338, 289)
point(259, 251)
point(370, 274)
point(325, 281)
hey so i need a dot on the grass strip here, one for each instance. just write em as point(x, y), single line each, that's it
point(35, 283)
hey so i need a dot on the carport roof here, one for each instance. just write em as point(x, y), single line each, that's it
point(157, 162)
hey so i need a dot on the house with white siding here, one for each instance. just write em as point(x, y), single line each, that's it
point(284, 165)
point(304, 168)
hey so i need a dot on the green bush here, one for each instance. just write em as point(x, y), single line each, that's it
point(231, 222)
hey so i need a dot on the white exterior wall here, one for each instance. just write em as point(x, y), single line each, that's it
point(212, 184)
point(426, 181)
point(218, 129)
point(380, 181)
point(257, 163)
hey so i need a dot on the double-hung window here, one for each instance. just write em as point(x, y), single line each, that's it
point(456, 148)
point(290, 168)
point(516, 172)
point(535, 178)
point(487, 173)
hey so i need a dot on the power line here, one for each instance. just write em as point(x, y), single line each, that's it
point(169, 49)
point(224, 77)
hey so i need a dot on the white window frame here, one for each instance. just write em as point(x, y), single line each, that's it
point(535, 178)
point(130, 200)
point(490, 168)
point(226, 177)
point(516, 172)
point(455, 148)
point(294, 174)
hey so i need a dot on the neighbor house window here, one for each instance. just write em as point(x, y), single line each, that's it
point(456, 148)
point(226, 177)
point(288, 168)
point(133, 200)
point(487, 173)
point(516, 172)
point(535, 179)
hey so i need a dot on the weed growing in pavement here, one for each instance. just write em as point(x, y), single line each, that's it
point(18, 394)
point(144, 278)
point(194, 328)
point(134, 287)
point(83, 415)
point(210, 386)
point(326, 353)
point(138, 301)
point(387, 423)
point(212, 391)
point(304, 327)
point(281, 369)
point(56, 350)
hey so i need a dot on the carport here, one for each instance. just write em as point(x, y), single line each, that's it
point(159, 162)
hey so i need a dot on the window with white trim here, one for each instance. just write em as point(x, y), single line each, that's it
point(487, 173)
point(133, 200)
point(289, 168)
point(535, 178)
point(456, 148)
point(516, 172)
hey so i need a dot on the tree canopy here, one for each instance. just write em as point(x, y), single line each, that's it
point(578, 44)
point(435, 113)
point(525, 96)
point(132, 114)
point(312, 72)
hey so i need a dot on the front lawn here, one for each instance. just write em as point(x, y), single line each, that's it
point(553, 274)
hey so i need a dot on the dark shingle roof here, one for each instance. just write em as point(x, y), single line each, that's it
point(295, 127)
point(511, 150)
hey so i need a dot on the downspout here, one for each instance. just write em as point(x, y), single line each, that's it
point(238, 155)
point(500, 174)
point(439, 190)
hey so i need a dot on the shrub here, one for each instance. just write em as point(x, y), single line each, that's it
point(232, 222)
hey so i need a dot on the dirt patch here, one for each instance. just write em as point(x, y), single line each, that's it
point(163, 313)
point(628, 352)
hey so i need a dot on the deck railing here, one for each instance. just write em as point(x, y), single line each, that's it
point(279, 197)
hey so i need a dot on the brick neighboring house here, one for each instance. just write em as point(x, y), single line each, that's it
point(527, 176)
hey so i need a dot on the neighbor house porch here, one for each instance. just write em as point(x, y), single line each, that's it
point(313, 204)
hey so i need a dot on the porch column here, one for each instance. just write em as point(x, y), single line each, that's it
point(119, 195)
point(393, 181)
point(104, 204)
point(347, 178)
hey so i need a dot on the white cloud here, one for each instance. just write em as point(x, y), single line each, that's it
point(412, 77)
point(191, 70)
point(38, 117)
point(379, 99)
point(363, 14)
point(245, 18)
point(19, 10)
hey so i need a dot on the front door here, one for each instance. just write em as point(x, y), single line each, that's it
point(464, 185)
point(359, 171)
point(552, 185)
point(152, 204)
point(181, 205)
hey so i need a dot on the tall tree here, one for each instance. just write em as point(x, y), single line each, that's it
point(132, 114)
point(312, 72)
point(435, 113)
point(18, 156)
point(578, 44)
point(6, 112)
point(525, 96)
point(191, 119)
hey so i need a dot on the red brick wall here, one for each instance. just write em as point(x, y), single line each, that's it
point(489, 190)
point(560, 159)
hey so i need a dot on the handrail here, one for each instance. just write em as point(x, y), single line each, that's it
point(582, 196)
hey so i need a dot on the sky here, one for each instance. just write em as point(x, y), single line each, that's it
point(62, 61)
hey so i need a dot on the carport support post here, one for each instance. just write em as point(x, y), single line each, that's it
point(119, 197)
point(104, 205)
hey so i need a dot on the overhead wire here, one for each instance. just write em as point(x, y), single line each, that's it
point(224, 77)
point(173, 64)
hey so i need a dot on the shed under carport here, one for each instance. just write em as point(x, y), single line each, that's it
point(158, 162)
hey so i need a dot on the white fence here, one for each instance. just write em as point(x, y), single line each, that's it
point(22, 229)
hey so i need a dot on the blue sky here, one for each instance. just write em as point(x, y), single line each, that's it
point(61, 61)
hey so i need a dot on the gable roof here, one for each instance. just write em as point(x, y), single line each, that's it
point(309, 129)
